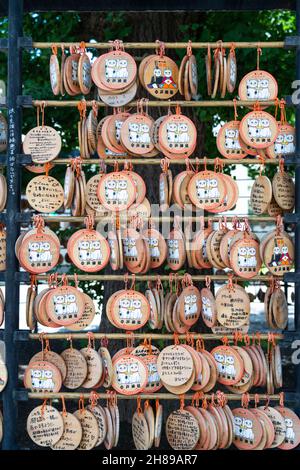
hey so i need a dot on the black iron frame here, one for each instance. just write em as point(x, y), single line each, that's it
point(14, 104)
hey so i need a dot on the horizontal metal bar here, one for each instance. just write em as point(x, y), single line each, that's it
point(153, 336)
point(291, 218)
point(292, 277)
point(168, 45)
point(25, 42)
point(291, 42)
point(155, 104)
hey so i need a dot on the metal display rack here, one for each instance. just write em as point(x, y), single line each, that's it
point(12, 218)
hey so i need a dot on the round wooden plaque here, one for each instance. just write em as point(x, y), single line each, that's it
point(247, 429)
point(258, 85)
point(116, 191)
point(90, 430)
point(182, 430)
point(114, 71)
point(94, 367)
point(76, 368)
point(228, 141)
point(140, 431)
point(45, 194)
point(175, 365)
point(279, 254)
point(72, 434)
point(39, 253)
point(130, 310)
point(43, 143)
point(65, 305)
point(233, 306)
point(284, 143)
point(161, 77)
point(261, 195)
point(207, 190)
point(284, 190)
point(130, 374)
point(258, 129)
point(46, 427)
point(177, 135)
point(229, 365)
point(245, 258)
point(292, 434)
point(88, 250)
point(42, 376)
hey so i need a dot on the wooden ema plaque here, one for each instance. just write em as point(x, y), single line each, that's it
point(43, 143)
point(284, 143)
point(54, 71)
point(189, 305)
point(87, 316)
point(177, 135)
point(45, 194)
point(140, 431)
point(133, 248)
point(94, 367)
point(130, 310)
point(279, 254)
point(182, 430)
point(72, 434)
point(175, 365)
point(135, 134)
point(229, 365)
point(157, 246)
point(45, 426)
point(258, 129)
point(118, 100)
point(247, 429)
point(261, 195)
point(258, 85)
point(88, 250)
point(207, 190)
point(278, 422)
point(76, 368)
point(154, 382)
point(209, 307)
point(130, 374)
point(65, 305)
point(39, 252)
point(161, 77)
point(228, 142)
point(53, 358)
point(100, 416)
point(114, 71)
point(90, 430)
point(233, 306)
point(42, 376)
point(84, 74)
point(292, 423)
point(231, 71)
point(284, 190)
point(91, 196)
point(176, 253)
point(116, 191)
point(245, 258)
